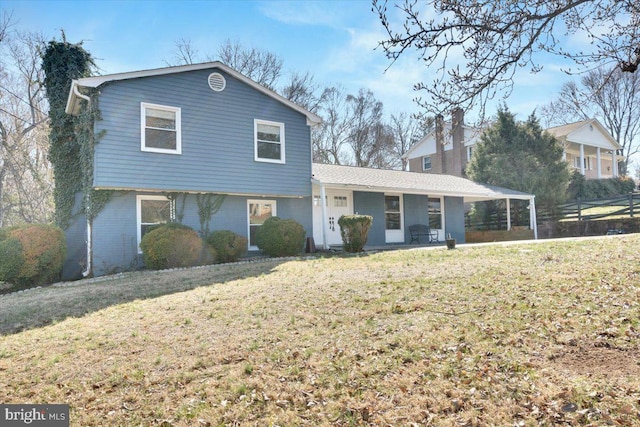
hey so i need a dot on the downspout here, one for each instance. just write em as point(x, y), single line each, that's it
point(88, 270)
point(532, 217)
point(323, 198)
point(89, 243)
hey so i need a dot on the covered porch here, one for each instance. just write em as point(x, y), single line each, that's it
point(397, 200)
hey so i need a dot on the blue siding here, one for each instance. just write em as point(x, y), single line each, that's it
point(371, 204)
point(454, 218)
point(217, 139)
point(416, 211)
point(115, 245)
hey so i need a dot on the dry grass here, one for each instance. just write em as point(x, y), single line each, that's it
point(518, 335)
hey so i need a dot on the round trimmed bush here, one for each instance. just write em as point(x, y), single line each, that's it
point(42, 249)
point(11, 260)
point(227, 246)
point(172, 246)
point(280, 237)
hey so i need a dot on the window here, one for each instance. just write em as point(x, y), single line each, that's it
point(152, 210)
point(259, 212)
point(469, 152)
point(340, 201)
point(435, 213)
point(426, 163)
point(161, 131)
point(392, 212)
point(269, 141)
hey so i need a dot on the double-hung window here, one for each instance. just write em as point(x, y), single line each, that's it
point(152, 210)
point(259, 212)
point(269, 141)
point(161, 129)
point(426, 163)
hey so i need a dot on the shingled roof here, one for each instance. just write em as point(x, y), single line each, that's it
point(367, 179)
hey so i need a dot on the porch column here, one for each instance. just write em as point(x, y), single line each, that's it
point(508, 214)
point(533, 222)
point(614, 164)
point(582, 171)
point(323, 203)
point(599, 162)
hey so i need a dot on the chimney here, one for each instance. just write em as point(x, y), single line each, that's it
point(440, 143)
point(457, 136)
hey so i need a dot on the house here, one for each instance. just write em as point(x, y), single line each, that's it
point(397, 199)
point(172, 140)
point(588, 148)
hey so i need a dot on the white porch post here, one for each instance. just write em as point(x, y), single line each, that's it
point(508, 214)
point(599, 162)
point(533, 222)
point(582, 159)
point(323, 203)
point(614, 164)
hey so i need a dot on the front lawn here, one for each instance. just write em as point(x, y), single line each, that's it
point(514, 335)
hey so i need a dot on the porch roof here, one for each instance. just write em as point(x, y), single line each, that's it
point(381, 180)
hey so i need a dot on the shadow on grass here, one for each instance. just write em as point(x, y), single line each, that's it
point(42, 306)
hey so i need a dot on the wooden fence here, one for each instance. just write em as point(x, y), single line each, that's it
point(627, 205)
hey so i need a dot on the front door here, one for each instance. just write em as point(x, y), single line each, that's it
point(338, 203)
point(393, 218)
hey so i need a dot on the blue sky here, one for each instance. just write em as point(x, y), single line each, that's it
point(335, 40)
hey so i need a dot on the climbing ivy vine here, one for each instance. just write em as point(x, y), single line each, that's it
point(72, 138)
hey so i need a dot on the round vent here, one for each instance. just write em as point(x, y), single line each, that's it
point(217, 82)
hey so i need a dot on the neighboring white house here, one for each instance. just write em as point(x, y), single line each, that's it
point(588, 148)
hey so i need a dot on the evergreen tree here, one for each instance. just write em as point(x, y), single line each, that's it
point(523, 157)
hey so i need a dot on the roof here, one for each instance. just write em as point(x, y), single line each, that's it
point(565, 131)
point(447, 129)
point(382, 180)
point(96, 81)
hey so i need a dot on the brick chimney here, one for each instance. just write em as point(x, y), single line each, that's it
point(459, 151)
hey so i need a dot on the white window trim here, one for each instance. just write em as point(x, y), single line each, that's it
point(256, 122)
point(139, 199)
point(430, 160)
point(177, 110)
point(257, 201)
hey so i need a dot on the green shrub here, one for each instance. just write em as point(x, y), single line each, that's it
point(32, 254)
point(354, 230)
point(280, 237)
point(11, 260)
point(227, 246)
point(172, 246)
point(587, 189)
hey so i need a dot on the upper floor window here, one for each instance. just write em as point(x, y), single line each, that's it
point(269, 141)
point(426, 163)
point(161, 129)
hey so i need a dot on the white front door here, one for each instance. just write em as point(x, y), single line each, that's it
point(338, 203)
point(393, 218)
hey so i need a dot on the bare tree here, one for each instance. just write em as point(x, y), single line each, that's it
point(26, 182)
point(494, 39)
point(369, 139)
point(261, 66)
point(330, 138)
point(302, 90)
point(406, 131)
point(184, 53)
point(612, 96)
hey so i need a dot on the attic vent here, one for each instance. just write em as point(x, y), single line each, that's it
point(217, 82)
